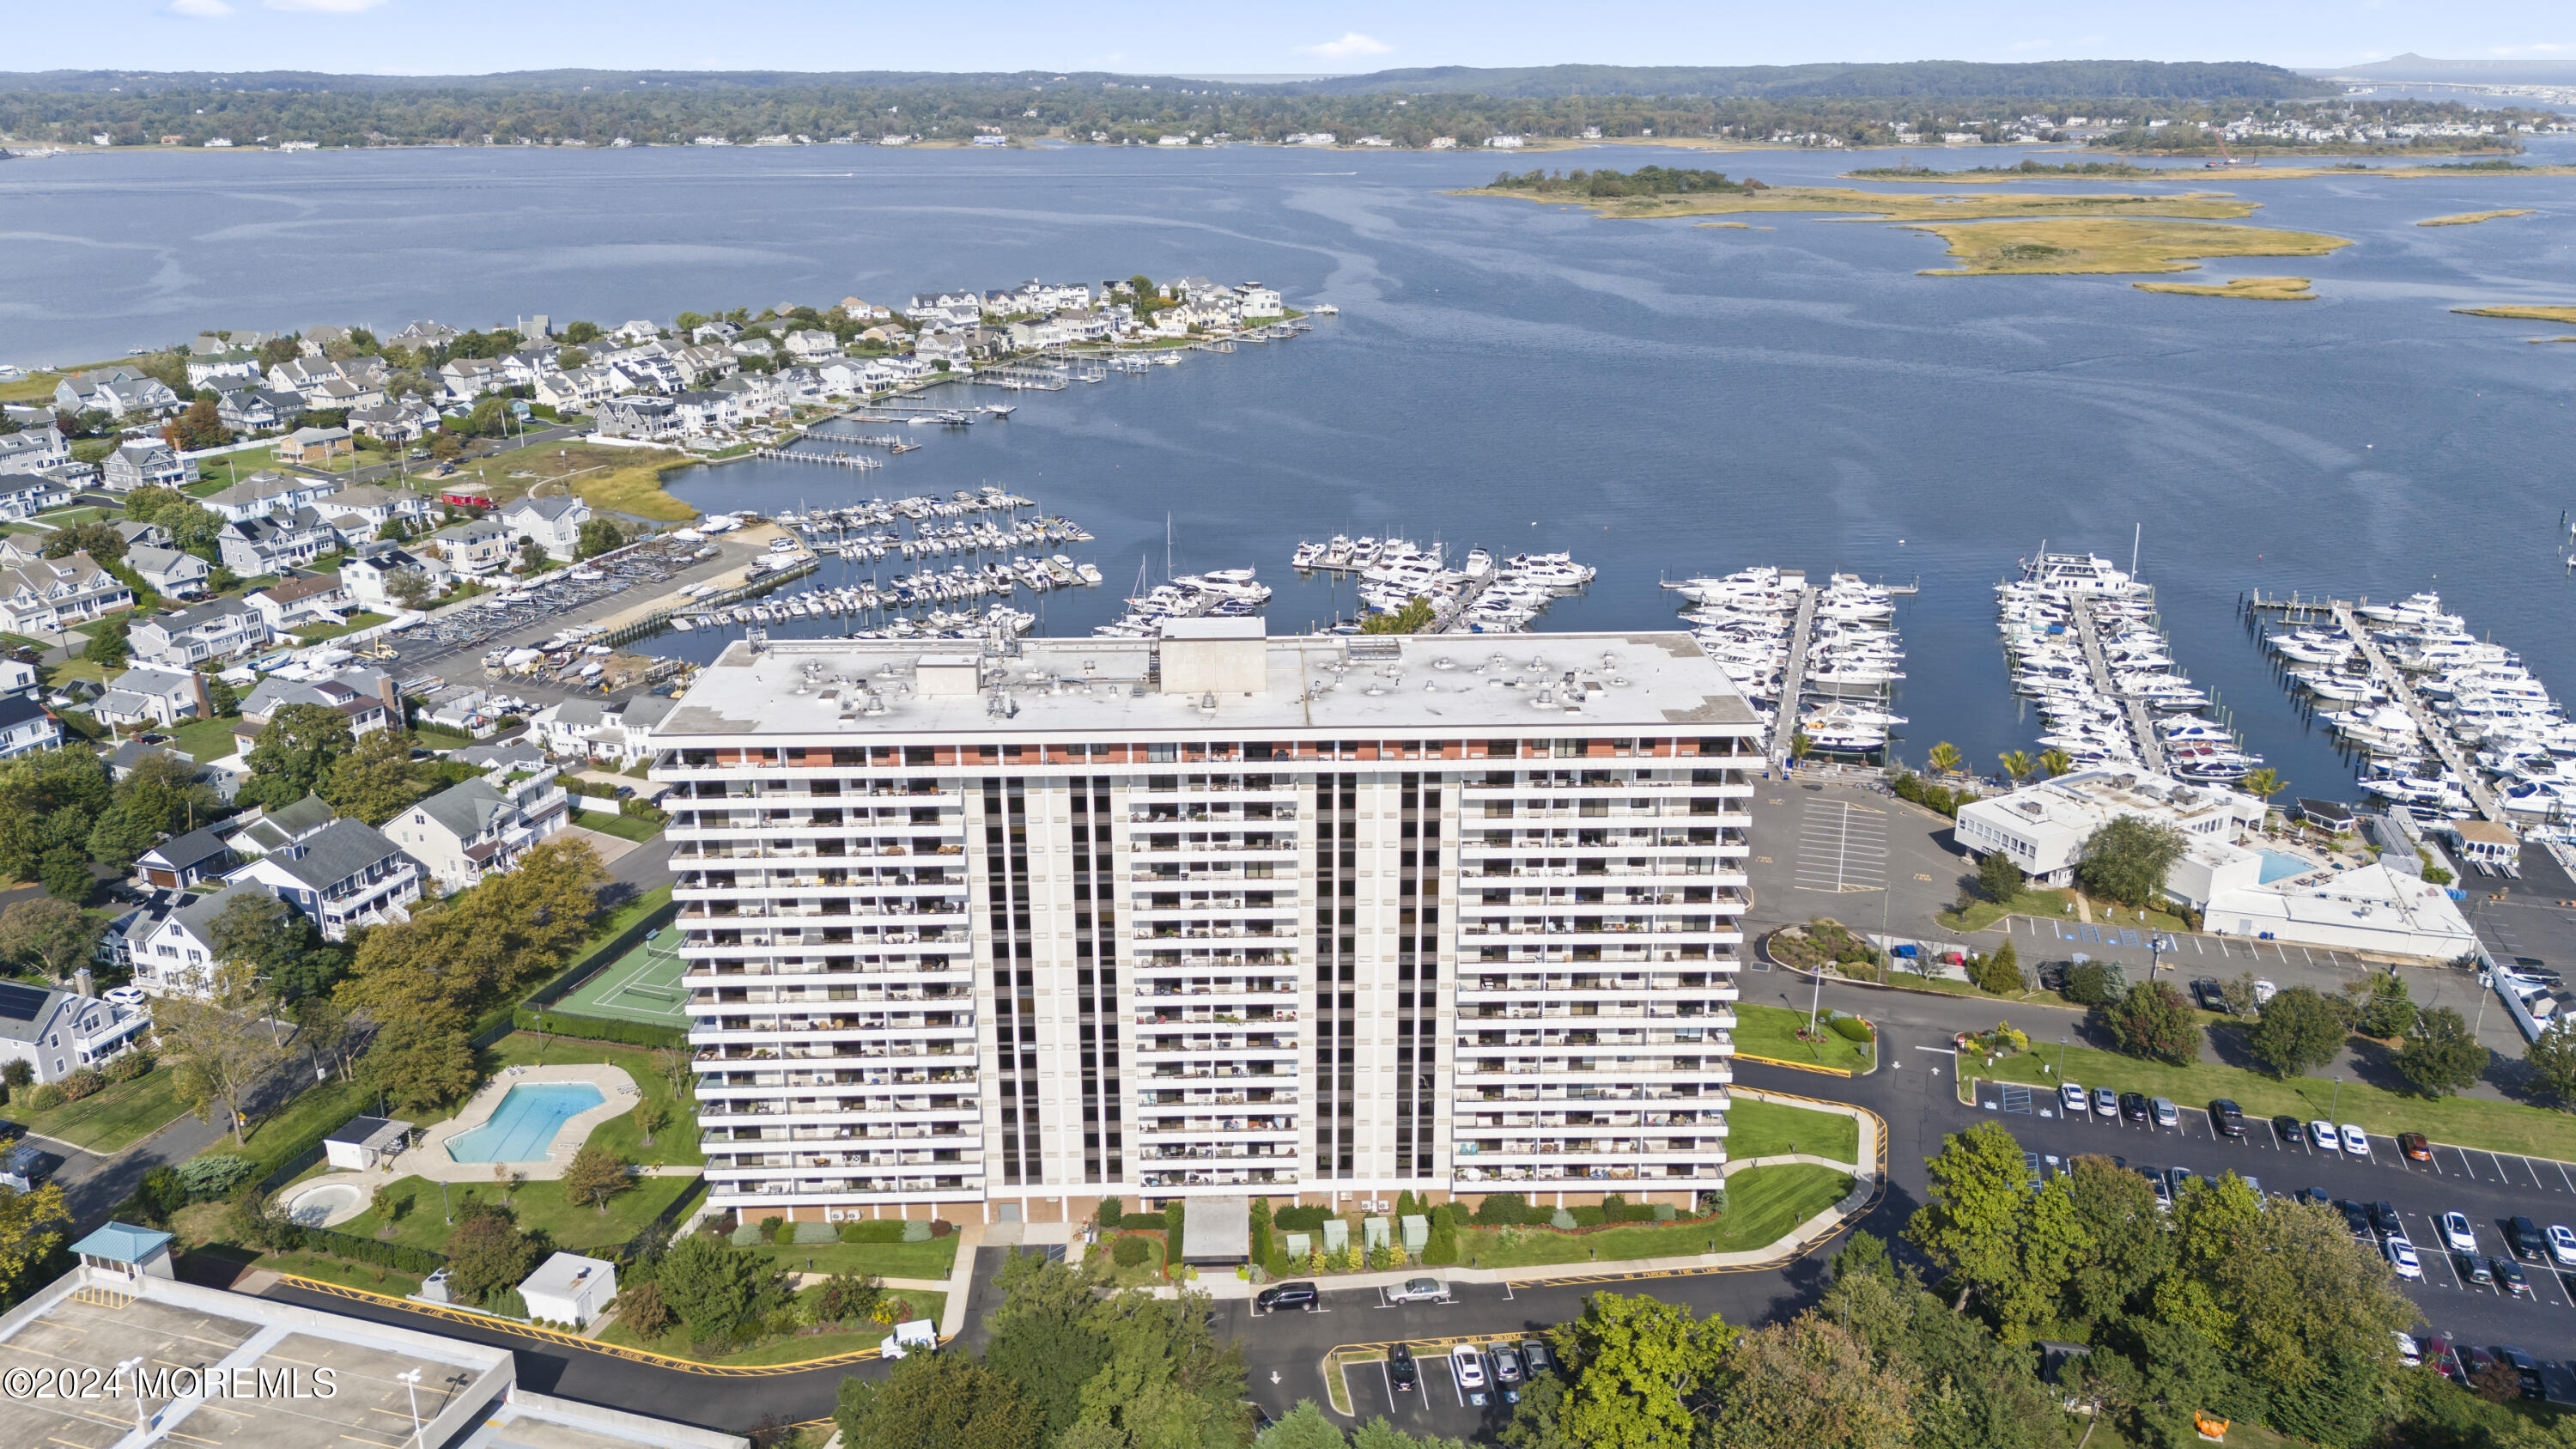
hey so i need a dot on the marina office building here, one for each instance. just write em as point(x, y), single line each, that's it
point(992, 933)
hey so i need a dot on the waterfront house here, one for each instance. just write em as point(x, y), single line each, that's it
point(344, 875)
point(365, 697)
point(938, 347)
point(276, 543)
point(318, 341)
point(33, 450)
point(144, 464)
point(153, 694)
point(474, 547)
point(47, 595)
point(393, 422)
point(699, 413)
point(420, 335)
point(812, 345)
point(755, 395)
point(555, 523)
point(368, 508)
point(116, 391)
point(313, 447)
point(716, 331)
point(859, 309)
point(168, 571)
point(206, 369)
point(368, 578)
point(262, 494)
point(301, 599)
point(249, 409)
point(1258, 303)
point(186, 638)
point(699, 365)
point(482, 826)
point(610, 731)
point(634, 416)
point(637, 331)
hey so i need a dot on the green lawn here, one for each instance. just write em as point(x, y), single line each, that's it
point(435, 738)
point(203, 740)
point(675, 1341)
point(1762, 1205)
point(624, 827)
point(537, 1204)
point(275, 1138)
point(111, 1119)
point(1772, 1031)
point(2464, 1121)
point(392, 1282)
point(1774, 1129)
point(1145, 1274)
point(676, 1143)
point(933, 1259)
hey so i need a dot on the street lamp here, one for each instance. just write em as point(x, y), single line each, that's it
point(411, 1385)
point(127, 1367)
point(2335, 1100)
point(2061, 1059)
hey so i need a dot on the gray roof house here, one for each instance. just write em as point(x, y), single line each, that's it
point(58, 1033)
point(275, 543)
point(171, 947)
point(184, 860)
point(555, 523)
point(190, 637)
point(345, 874)
point(143, 464)
point(480, 827)
point(276, 829)
point(168, 571)
point(153, 694)
point(25, 724)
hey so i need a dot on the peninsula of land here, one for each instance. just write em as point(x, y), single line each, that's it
point(2259, 289)
point(2526, 314)
point(2471, 218)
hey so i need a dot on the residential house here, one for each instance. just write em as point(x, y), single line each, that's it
point(169, 946)
point(17, 676)
point(366, 697)
point(861, 310)
point(468, 378)
point(423, 334)
point(634, 417)
point(32, 450)
point(224, 629)
point(115, 391)
point(699, 413)
point(812, 345)
point(405, 421)
point(788, 386)
point(144, 463)
point(57, 1033)
point(1259, 303)
point(716, 331)
point(366, 508)
point(701, 364)
point(130, 755)
point(555, 523)
point(368, 578)
point(313, 447)
point(262, 494)
point(346, 874)
point(579, 389)
point(638, 331)
point(46, 595)
point(481, 827)
point(954, 309)
point(205, 369)
point(24, 495)
point(248, 409)
point(938, 347)
point(755, 395)
point(168, 571)
point(262, 831)
point(475, 547)
point(140, 535)
point(301, 599)
point(153, 694)
point(318, 341)
point(604, 730)
point(752, 347)
point(276, 543)
point(184, 860)
point(26, 725)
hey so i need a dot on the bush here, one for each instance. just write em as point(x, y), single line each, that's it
point(161, 1193)
point(128, 1066)
point(83, 1083)
point(917, 1231)
point(2094, 983)
point(882, 1230)
point(1502, 1210)
point(769, 1228)
point(2152, 1020)
point(1130, 1251)
point(45, 1098)
point(1112, 1209)
point(214, 1175)
point(808, 1234)
point(1302, 1219)
point(745, 1234)
point(1852, 1028)
point(591, 1028)
point(1441, 1251)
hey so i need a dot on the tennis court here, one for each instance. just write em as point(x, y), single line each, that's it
point(643, 985)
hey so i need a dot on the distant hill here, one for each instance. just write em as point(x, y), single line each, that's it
point(2411, 66)
point(1923, 79)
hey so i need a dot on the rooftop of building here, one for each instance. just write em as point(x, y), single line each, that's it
point(2084, 800)
point(1329, 685)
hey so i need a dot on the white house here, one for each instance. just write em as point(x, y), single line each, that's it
point(168, 571)
point(555, 523)
point(50, 594)
point(366, 508)
point(369, 578)
point(276, 543)
point(606, 730)
point(26, 725)
point(476, 546)
point(569, 1288)
point(480, 827)
point(150, 694)
point(301, 599)
point(812, 345)
point(32, 450)
point(57, 1033)
point(190, 637)
point(2043, 827)
point(24, 495)
point(262, 494)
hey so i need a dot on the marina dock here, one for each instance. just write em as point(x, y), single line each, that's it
point(2402, 690)
point(1793, 675)
point(2142, 724)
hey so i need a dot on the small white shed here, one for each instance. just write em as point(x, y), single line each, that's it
point(569, 1288)
point(364, 1142)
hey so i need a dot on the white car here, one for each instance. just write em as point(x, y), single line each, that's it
point(2106, 1103)
point(2457, 1232)
point(2562, 1245)
point(2356, 1143)
point(2401, 1256)
point(2264, 991)
point(2322, 1133)
point(2074, 1099)
point(1469, 1366)
point(2409, 1352)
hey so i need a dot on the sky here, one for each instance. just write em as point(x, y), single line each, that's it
point(1164, 36)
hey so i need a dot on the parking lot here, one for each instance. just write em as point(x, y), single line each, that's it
point(531, 611)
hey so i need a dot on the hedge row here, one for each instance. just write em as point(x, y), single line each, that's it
point(600, 1028)
point(398, 1256)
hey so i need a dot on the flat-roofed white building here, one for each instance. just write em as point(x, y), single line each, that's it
point(2043, 827)
point(1000, 932)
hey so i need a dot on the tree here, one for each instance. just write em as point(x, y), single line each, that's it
point(1943, 759)
point(532, 554)
point(596, 1175)
point(1636, 1365)
point(1413, 618)
point(197, 427)
point(2552, 1058)
point(99, 540)
point(935, 1401)
point(719, 1289)
point(599, 536)
point(1999, 971)
point(374, 781)
point(323, 1028)
point(1972, 1223)
point(2236, 993)
point(2263, 784)
point(2094, 983)
point(1999, 878)
point(2056, 763)
point(2018, 764)
point(2390, 1013)
point(2295, 1031)
point(419, 1064)
point(219, 1048)
point(107, 647)
point(487, 1254)
point(641, 1308)
point(2441, 1057)
point(54, 936)
point(1305, 1427)
point(1046, 1338)
point(2152, 1020)
point(295, 752)
point(2130, 1248)
point(1808, 1383)
point(65, 874)
point(410, 588)
point(31, 1230)
point(120, 835)
point(2125, 860)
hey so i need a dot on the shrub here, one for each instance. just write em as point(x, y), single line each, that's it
point(129, 1066)
point(83, 1083)
point(1441, 1250)
point(213, 1175)
point(18, 1074)
point(1301, 1219)
point(881, 1230)
point(745, 1234)
point(808, 1234)
point(769, 1229)
point(2094, 983)
point(161, 1192)
point(1563, 1221)
point(1852, 1028)
point(1130, 1251)
point(917, 1231)
point(1588, 1216)
point(46, 1097)
point(1112, 1209)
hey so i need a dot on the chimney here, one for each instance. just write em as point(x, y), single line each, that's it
point(83, 983)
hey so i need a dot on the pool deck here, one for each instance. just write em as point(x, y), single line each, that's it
point(430, 1160)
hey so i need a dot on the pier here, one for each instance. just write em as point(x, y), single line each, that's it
point(1793, 675)
point(2142, 724)
point(2402, 690)
point(824, 456)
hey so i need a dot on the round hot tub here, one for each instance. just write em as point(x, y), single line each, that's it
point(332, 1202)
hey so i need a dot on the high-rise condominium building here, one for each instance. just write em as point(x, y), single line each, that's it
point(994, 933)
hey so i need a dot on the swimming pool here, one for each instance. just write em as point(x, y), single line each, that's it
point(2277, 866)
point(525, 1124)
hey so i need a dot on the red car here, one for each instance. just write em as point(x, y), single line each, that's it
point(2413, 1147)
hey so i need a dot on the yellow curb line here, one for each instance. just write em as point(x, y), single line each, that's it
point(1796, 1066)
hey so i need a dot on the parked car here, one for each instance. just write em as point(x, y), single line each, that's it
point(1469, 1367)
point(2356, 1143)
point(1507, 1372)
point(2285, 1128)
point(2383, 1216)
point(2525, 1368)
point(2163, 1186)
point(2133, 1105)
point(2439, 1353)
point(1418, 1290)
point(2165, 1115)
point(2524, 1237)
point(2072, 1098)
point(2264, 991)
point(2210, 995)
point(1300, 1296)
point(2479, 1271)
point(2514, 1280)
point(2401, 1256)
point(2413, 1147)
point(2472, 1360)
point(2106, 1103)
point(2562, 1246)
point(2409, 1352)
point(2315, 1197)
point(1401, 1370)
point(2355, 1217)
point(1535, 1354)
point(2227, 1117)
point(2321, 1135)
point(2458, 1234)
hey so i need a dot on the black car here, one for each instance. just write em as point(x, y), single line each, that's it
point(2524, 1235)
point(1300, 1296)
point(1535, 1354)
point(2355, 1217)
point(2511, 1272)
point(2524, 1368)
point(2286, 1127)
point(2209, 994)
point(2227, 1117)
point(2133, 1106)
point(1401, 1370)
point(2315, 1195)
point(2383, 1216)
point(2481, 1272)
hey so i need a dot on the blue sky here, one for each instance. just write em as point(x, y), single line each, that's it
point(451, 36)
